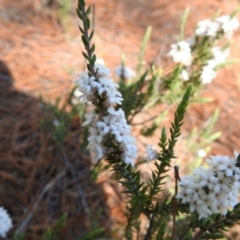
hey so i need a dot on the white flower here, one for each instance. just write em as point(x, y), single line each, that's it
point(100, 61)
point(207, 28)
point(211, 28)
point(151, 153)
point(109, 122)
point(101, 70)
point(202, 27)
point(96, 136)
point(184, 75)
point(56, 122)
point(181, 53)
point(208, 72)
point(191, 41)
point(212, 190)
point(84, 82)
point(207, 75)
point(228, 24)
point(88, 118)
point(77, 93)
point(88, 86)
point(108, 87)
point(219, 56)
point(96, 151)
point(5, 222)
point(201, 153)
point(124, 71)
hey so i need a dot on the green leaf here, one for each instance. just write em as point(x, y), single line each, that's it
point(143, 48)
point(213, 236)
point(48, 235)
point(92, 48)
point(87, 22)
point(229, 223)
point(235, 12)
point(84, 40)
point(163, 139)
point(227, 63)
point(91, 61)
point(206, 223)
point(79, 14)
point(237, 206)
point(17, 236)
point(216, 14)
point(183, 23)
point(91, 35)
point(81, 4)
point(93, 234)
point(81, 30)
point(85, 55)
point(188, 235)
point(60, 223)
point(161, 230)
point(88, 10)
point(89, 67)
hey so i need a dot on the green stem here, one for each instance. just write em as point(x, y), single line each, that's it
point(149, 231)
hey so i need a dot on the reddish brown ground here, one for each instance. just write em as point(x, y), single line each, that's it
point(43, 58)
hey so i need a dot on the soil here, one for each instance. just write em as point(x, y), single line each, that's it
point(40, 55)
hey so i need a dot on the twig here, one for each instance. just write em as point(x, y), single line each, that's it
point(149, 231)
point(177, 178)
point(75, 175)
point(47, 187)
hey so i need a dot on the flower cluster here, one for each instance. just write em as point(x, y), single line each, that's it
point(184, 75)
point(211, 28)
point(124, 71)
point(184, 52)
point(212, 190)
point(181, 53)
point(152, 154)
point(5, 222)
point(208, 70)
point(89, 87)
point(106, 121)
point(224, 25)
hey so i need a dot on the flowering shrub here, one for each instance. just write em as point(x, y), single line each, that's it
point(212, 190)
point(201, 205)
point(207, 201)
point(106, 123)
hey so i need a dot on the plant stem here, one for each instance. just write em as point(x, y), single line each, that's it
point(149, 231)
point(177, 178)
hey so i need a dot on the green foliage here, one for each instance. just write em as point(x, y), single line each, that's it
point(147, 197)
point(137, 95)
point(98, 168)
point(93, 234)
point(183, 23)
point(64, 11)
point(52, 234)
point(16, 236)
point(200, 139)
point(143, 49)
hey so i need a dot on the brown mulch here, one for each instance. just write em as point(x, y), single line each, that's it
point(40, 180)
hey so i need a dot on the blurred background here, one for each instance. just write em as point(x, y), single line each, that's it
point(42, 177)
